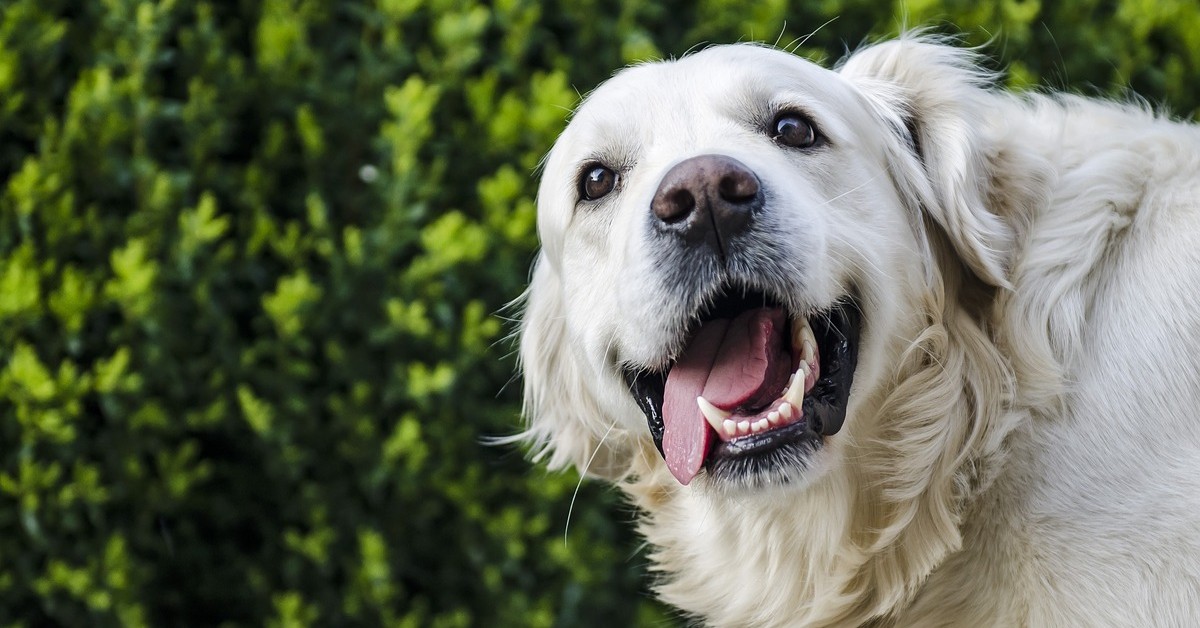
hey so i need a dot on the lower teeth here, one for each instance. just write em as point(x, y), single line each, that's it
point(792, 397)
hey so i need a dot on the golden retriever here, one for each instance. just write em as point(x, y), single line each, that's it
point(878, 345)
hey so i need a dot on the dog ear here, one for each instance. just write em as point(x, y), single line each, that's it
point(933, 95)
point(564, 423)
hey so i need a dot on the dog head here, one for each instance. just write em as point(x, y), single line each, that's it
point(739, 247)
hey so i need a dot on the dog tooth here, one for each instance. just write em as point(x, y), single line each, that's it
point(785, 410)
point(809, 353)
point(743, 427)
point(800, 331)
point(795, 392)
point(730, 427)
point(713, 414)
point(806, 335)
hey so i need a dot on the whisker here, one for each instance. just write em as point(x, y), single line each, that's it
point(851, 190)
point(803, 40)
point(778, 37)
point(583, 474)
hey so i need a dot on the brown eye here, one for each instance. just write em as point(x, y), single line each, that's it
point(792, 129)
point(597, 181)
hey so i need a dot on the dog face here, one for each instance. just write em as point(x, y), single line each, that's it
point(736, 248)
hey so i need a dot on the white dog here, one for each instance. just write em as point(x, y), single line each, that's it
point(878, 345)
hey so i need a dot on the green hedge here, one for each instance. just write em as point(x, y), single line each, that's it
point(254, 261)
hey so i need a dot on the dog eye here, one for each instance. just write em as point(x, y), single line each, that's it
point(597, 181)
point(792, 129)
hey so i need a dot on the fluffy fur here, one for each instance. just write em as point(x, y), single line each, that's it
point(1023, 439)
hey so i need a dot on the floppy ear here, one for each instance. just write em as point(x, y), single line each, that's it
point(935, 97)
point(564, 422)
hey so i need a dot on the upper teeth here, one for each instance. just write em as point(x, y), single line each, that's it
point(803, 339)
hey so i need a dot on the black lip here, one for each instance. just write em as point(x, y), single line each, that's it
point(838, 335)
point(647, 388)
point(750, 457)
point(837, 330)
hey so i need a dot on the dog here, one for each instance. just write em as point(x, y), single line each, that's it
point(882, 344)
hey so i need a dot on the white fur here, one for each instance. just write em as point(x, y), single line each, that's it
point(1023, 440)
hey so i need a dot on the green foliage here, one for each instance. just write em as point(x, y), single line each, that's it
point(251, 260)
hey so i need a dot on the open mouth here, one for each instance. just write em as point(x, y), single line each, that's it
point(756, 389)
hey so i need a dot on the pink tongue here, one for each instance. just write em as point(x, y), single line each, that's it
point(730, 362)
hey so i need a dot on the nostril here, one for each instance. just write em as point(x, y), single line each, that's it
point(707, 199)
point(738, 186)
point(674, 205)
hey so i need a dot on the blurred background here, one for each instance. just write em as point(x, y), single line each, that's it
point(254, 261)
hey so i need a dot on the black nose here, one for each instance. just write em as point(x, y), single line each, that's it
point(707, 199)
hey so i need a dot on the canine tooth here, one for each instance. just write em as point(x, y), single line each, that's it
point(743, 427)
point(806, 335)
point(803, 333)
point(795, 392)
point(713, 414)
point(798, 333)
point(785, 410)
point(809, 352)
point(730, 427)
